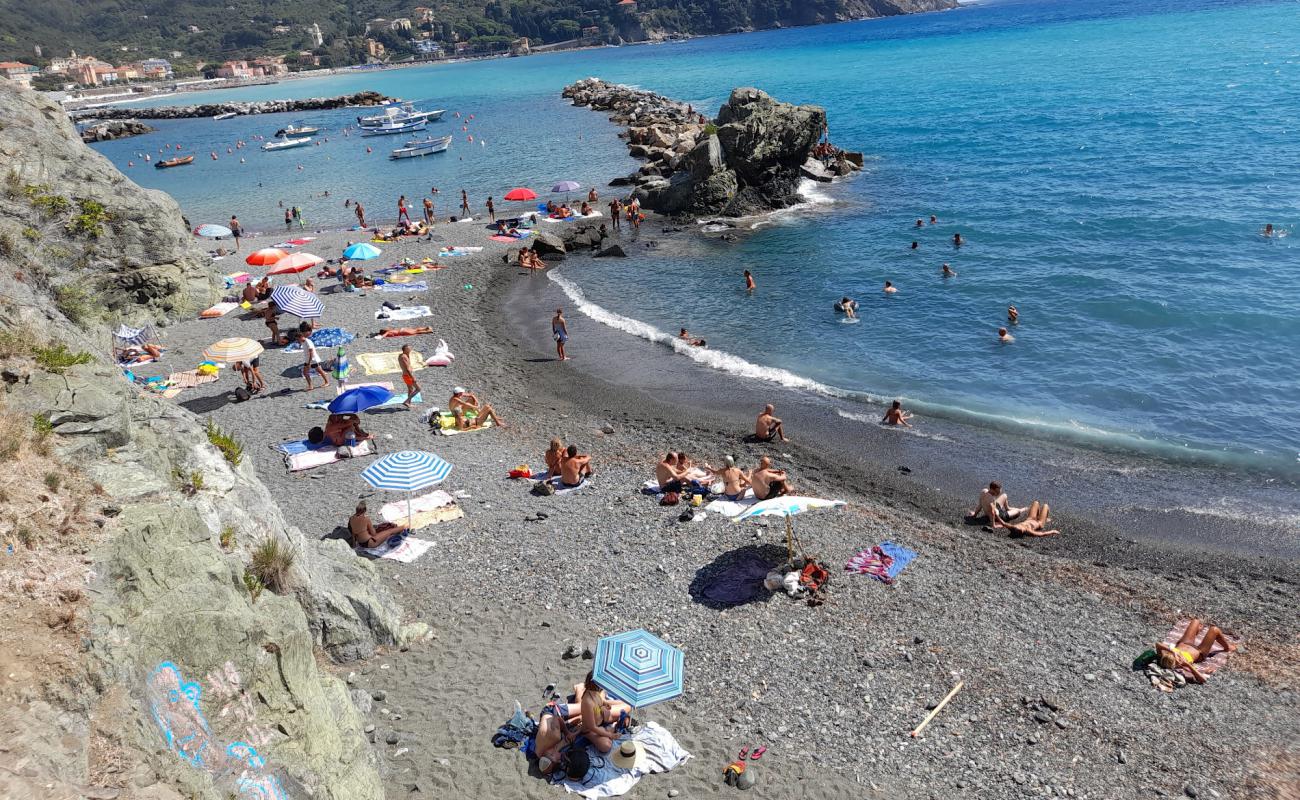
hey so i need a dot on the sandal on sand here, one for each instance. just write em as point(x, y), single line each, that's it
point(757, 754)
point(744, 751)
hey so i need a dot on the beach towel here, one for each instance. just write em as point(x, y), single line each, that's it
point(458, 251)
point(400, 314)
point(739, 582)
point(311, 459)
point(324, 337)
point(386, 363)
point(238, 277)
point(143, 358)
point(419, 286)
point(560, 488)
point(429, 509)
point(401, 277)
point(299, 446)
point(189, 379)
point(402, 547)
point(505, 237)
point(604, 779)
point(487, 425)
point(1216, 659)
point(882, 562)
point(733, 508)
point(219, 310)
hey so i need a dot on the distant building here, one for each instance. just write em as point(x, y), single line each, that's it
point(314, 35)
point(427, 47)
point(194, 29)
point(271, 65)
point(520, 47)
point(401, 25)
point(626, 5)
point(307, 58)
point(155, 69)
point(462, 48)
point(422, 14)
point(375, 49)
point(281, 30)
point(376, 24)
point(18, 72)
point(591, 32)
point(238, 69)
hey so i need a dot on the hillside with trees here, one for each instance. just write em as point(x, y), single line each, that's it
point(208, 31)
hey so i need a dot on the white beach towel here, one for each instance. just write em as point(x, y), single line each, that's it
point(606, 780)
point(407, 550)
point(318, 458)
point(733, 508)
point(399, 314)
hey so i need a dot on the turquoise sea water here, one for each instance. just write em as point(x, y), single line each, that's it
point(1109, 164)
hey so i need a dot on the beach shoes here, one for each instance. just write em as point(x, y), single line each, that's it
point(758, 753)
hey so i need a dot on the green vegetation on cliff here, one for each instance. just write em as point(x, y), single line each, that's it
point(127, 30)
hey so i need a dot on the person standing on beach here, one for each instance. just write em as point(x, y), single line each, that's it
point(560, 329)
point(464, 203)
point(361, 214)
point(492, 211)
point(236, 231)
point(311, 361)
point(408, 376)
point(428, 211)
point(402, 214)
point(288, 220)
point(750, 286)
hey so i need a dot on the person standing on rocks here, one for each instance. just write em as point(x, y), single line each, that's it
point(408, 375)
point(361, 214)
point(560, 329)
point(236, 231)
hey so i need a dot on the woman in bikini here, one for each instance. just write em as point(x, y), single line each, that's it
point(554, 457)
point(602, 718)
point(1185, 653)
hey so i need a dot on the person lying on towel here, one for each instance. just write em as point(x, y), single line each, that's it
point(574, 468)
point(132, 353)
point(1035, 524)
point(365, 534)
point(1185, 653)
point(392, 333)
point(468, 412)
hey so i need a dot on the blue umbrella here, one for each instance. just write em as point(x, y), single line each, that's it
point(638, 668)
point(354, 401)
point(362, 251)
point(297, 301)
point(406, 471)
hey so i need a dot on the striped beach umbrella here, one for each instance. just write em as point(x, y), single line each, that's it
point(236, 348)
point(406, 471)
point(265, 257)
point(297, 301)
point(638, 668)
point(212, 231)
point(296, 262)
point(362, 251)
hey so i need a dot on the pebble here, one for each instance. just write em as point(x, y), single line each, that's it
point(1190, 791)
point(370, 727)
point(1041, 717)
point(673, 792)
point(379, 694)
point(1062, 723)
point(1121, 757)
point(392, 738)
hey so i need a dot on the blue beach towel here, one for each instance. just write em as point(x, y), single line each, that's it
point(901, 555)
point(418, 286)
point(300, 446)
point(325, 337)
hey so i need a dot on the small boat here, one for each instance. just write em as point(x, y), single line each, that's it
point(390, 128)
point(297, 129)
point(422, 147)
point(227, 115)
point(285, 144)
point(179, 161)
point(406, 112)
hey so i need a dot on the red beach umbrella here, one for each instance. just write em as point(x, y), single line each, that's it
point(520, 193)
point(295, 263)
point(265, 257)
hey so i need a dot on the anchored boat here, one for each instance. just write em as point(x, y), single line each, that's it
point(403, 113)
point(179, 161)
point(422, 147)
point(285, 144)
point(297, 129)
point(390, 128)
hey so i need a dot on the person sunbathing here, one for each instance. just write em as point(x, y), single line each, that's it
point(264, 289)
point(993, 505)
point(365, 534)
point(669, 474)
point(341, 427)
point(554, 457)
point(1034, 524)
point(551, 208)
point(1185, 653)
point(249, 295)
point(469, 414)
point(575, 468)
point(132, 353)
point(769, 482)
point(734, 480)
point(390, 333)
point(602, 718)
point(586, 210)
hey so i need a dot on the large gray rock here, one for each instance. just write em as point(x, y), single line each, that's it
point(814, 169)
point(548, 244)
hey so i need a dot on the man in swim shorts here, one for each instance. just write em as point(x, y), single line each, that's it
point(469, 414)
point(767, 428)
point(574, 468)
point(769, 482)
point(993, 504)
point(408, 375)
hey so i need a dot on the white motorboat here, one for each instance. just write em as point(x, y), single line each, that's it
point(390, 128)
point(285, 144)
point(405, 112)
point(227, 115)
point(297, 129)
point(422, 147)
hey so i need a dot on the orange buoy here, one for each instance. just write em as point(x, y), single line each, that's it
point(470, 137)
point(130, 163)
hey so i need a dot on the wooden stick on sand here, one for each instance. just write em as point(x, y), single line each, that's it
point(937, 709)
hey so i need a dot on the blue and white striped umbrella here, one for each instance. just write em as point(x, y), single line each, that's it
point(638, 668)
point(297, 301)
point(406, 471)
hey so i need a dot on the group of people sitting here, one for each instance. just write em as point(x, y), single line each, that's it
point(566, 463)
point(587, 715)
point(404, 228)
point(675, 473)
point(255, 292)
point(528, 259)
point(994, 511)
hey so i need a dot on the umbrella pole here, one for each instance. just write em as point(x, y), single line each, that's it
point(789, 539)
point(408, 510)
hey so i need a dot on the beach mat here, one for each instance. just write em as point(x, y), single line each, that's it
point(311, 459)
point(883, 562)
point(454, 431)
point(1214, 661)
point(386, 363)
point(403, 548)
point(662, 753)
point(505, 237)
point(428, 509)
point(189, 379)
point(733, 508)
point(400, 314)
point(419, 286)
point(219, 310)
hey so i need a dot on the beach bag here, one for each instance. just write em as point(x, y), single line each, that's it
point(670, 499)
point(242, 394)
point(814, 576)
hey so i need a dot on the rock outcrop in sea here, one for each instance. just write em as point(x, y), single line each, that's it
point(366, 98)
point(200, 678)
point(114, 129)
point(748, 160)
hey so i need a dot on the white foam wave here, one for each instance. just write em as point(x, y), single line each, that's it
point(716, 359)
point(811, 192)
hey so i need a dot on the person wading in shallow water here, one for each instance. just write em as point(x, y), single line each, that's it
point(560, 329)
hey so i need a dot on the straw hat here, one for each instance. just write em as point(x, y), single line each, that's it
point(629, 755)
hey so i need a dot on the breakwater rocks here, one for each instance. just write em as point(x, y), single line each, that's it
point(115, 129)
point(748, 160)
point(259, 107)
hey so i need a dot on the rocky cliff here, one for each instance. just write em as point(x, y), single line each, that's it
point(161, 658)
point(750, 159)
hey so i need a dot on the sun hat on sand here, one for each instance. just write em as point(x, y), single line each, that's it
point(629, 755)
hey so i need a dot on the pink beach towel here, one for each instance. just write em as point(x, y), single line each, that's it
point(1217, 657)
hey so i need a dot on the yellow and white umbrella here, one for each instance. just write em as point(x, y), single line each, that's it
point(237, 348)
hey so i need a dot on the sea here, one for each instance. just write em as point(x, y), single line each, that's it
point(1109, 165)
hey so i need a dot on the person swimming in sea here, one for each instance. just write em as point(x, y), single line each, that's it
point(956, 240)
point(890, 288)
point(896, 415)
point(749, 282)
point(1268, 230)
point(848, 307)
point(915, 245)
point(934, 220)
point(920, 224)
point(947, 272)
point(1013, 315)
point(1005, 337)
point(691, 340)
